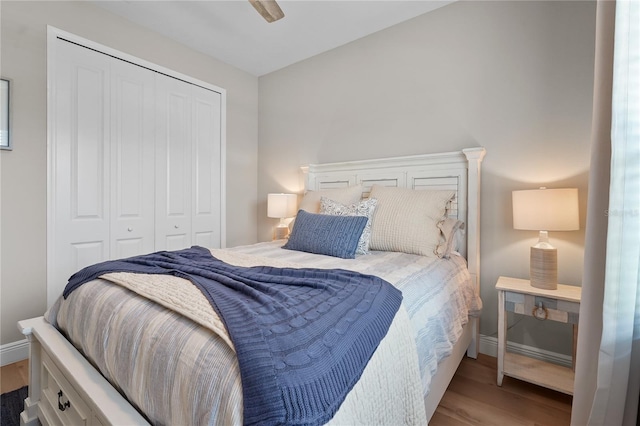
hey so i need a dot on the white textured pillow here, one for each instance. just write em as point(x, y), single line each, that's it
point(311, 200)
point(363, 208)
point(451, 230)
point(406, 220)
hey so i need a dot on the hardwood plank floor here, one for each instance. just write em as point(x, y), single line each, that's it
point(473, 397)
point(14, 376)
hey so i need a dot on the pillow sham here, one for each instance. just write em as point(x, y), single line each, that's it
point(325, 234)
point(406, 220)
point(311, 200)
point(451, 231)
point(363, 208)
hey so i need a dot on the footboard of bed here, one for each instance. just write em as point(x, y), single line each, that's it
point(64, 388)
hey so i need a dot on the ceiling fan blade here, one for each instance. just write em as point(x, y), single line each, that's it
point(269, 9)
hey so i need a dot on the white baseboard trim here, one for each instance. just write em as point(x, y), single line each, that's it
point(489, 346)
point(14, 352)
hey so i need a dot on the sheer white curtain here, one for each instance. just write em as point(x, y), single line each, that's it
point(608, 362)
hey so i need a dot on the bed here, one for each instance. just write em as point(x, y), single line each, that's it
point(87, 371)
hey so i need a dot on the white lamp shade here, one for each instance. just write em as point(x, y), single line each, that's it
point(282, 205)
point(546, 209)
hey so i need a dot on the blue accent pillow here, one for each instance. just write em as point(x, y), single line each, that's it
point(326, 234)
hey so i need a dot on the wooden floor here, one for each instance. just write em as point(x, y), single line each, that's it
point(473, 398)
point(14, 376)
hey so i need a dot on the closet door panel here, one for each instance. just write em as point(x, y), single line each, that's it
point(206, 167)
point(80, 163)
point(133, 158)
point(89, 144)
point(173, 164)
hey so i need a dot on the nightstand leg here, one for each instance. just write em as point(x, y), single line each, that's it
point(502, 336)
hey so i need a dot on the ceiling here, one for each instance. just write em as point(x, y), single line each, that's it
point(233, 31)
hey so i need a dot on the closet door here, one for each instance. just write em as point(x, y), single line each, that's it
point(135, 159)
point(173, 164)
point(188, 172)
point(132, 159)
point(102, 153)
point(80, 166)
point(207, 173)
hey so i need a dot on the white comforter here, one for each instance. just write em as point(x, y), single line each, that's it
point(193, 377)
point(438, 294)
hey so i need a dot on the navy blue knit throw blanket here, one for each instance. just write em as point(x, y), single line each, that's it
point(302, 336)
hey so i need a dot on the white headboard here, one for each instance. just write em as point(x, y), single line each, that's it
point(459, 170)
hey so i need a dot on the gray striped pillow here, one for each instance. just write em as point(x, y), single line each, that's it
point(406, 220)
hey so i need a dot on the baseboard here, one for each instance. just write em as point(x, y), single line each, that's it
point(489, 346)
point(14, 352)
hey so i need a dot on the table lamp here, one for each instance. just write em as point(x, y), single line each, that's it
point(281, 206)
point(545, 210)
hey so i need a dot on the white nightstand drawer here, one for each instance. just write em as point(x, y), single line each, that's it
point(557, 310)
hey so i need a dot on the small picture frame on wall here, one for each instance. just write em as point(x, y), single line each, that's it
point(5, 119)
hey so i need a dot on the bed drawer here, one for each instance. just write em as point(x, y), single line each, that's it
point(60, 404)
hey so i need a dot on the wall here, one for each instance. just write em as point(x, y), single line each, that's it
point(24, 170)
point(514, 77)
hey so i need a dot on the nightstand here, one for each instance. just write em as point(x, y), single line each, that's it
point(561, 305)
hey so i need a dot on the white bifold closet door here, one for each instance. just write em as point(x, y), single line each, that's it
point(132, 160)
point(187, 143)
point(135, 162)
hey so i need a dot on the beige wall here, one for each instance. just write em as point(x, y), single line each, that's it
point(514, 77)
point(24, 170)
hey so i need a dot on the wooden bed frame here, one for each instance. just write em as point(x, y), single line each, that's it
point(59, 373)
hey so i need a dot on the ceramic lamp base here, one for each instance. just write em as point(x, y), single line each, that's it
point(281, 232)
point(543, 268)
